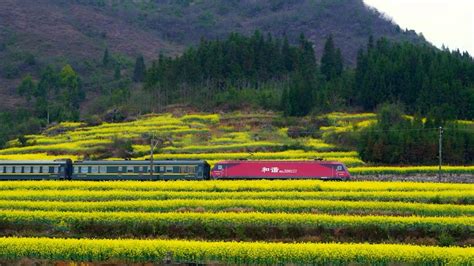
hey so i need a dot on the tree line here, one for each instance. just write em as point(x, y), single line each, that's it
point(427, 81)
point(262, 71)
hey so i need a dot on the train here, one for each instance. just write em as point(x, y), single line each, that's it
point(66, 169)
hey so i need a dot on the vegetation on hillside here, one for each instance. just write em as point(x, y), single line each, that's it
point(259, 136)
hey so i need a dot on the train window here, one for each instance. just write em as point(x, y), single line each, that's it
point(103, 169)
point(8, 169)
point(120, 168)
point(169, 169)
point(339, 168)
point(219, 167)
point(27, 169)
point(2, 169)
point(36, 169)
point(140, 169)
point(17, 169)
point(130, 169)
point(94, 169)
point(56, 169)
point(162, 169)
point(76, 169)
point(84, 169)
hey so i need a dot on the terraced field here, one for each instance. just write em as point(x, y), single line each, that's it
point(211, 137)
point(237, 222)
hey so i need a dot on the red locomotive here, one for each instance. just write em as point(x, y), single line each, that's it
point(280, 170)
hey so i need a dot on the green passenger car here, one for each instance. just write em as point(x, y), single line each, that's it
point(141, 170)
point(34, 170)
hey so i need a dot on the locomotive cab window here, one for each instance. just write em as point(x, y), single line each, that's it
point(220, 167)
point(339, 168)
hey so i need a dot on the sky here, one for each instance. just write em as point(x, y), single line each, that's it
point(448, 22)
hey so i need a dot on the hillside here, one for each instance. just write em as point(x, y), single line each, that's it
point(211, 137)
point(36, 33)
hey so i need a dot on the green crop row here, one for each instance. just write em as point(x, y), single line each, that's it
point(235, 253)
point(231, 185)
point(288, 206)
point(255, 226)
point(445, 197)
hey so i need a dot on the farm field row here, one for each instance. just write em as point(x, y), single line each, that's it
point(232, 185)
point(177, 251)
point(300, 222)
point(228, 205)
point(242, 226)
point(437, 197)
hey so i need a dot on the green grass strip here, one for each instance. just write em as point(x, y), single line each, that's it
point(256, 226)
point(241, 185)
point(445, 197)
point(229, 205)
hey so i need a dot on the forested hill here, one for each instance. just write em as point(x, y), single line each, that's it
point(99, 60)
point(34, 33)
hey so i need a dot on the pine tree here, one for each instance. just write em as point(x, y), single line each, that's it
point(105, 57)
point(287, 57)
point(285, 104)
point(117, 72)
point(331, 61)
point(139, 70)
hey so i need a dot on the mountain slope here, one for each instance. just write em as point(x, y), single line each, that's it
point(34, 33)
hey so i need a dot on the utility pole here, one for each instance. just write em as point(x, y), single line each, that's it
point(153, 143)
point(440, 155)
